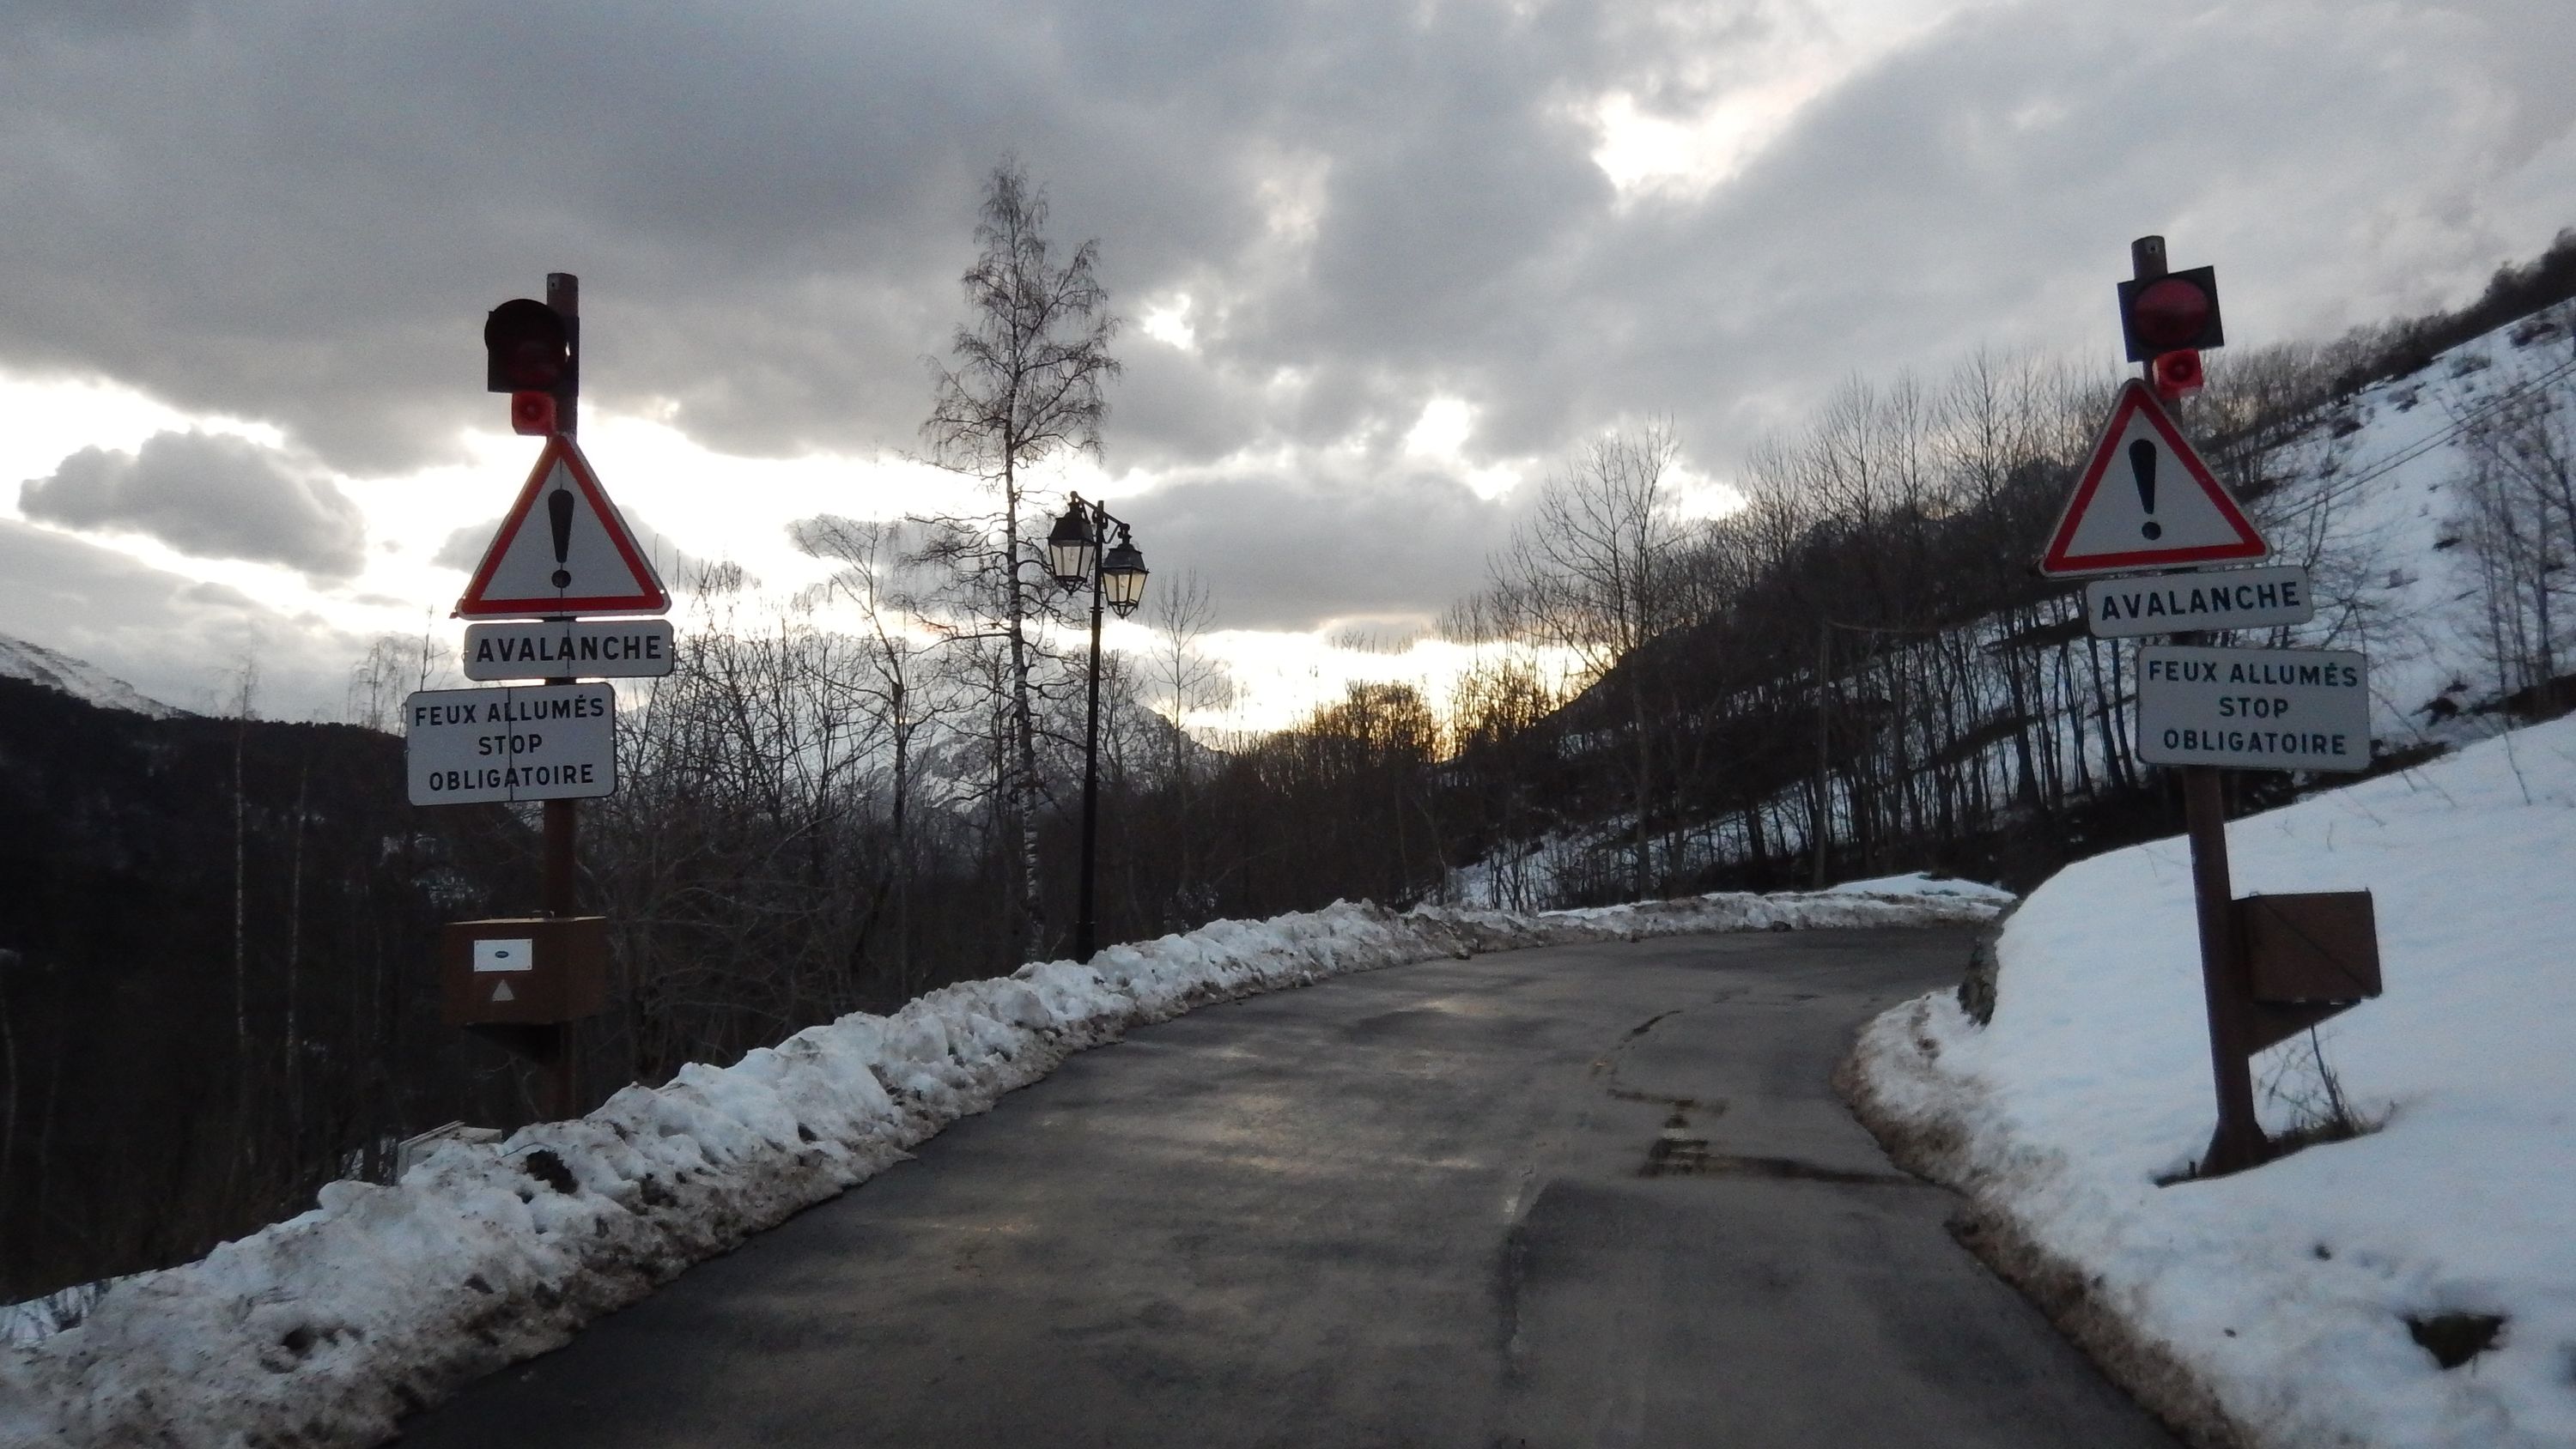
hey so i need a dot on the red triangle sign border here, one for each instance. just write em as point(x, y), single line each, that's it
point(648, 597)
point(2058, 559)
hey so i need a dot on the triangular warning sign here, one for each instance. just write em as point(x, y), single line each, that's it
point(2146, 501)
point(562, 550)
point(501, 992)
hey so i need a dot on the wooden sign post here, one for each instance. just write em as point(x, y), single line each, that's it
point(2270, 966)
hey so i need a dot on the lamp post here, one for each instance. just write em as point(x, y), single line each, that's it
point(1117, 578)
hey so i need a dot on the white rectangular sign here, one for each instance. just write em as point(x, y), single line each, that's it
point(2218, 599)
point(518, 742)
point(2254, 709)
point(569, 649)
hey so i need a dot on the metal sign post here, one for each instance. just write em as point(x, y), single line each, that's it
point(2146, 501)
point(556, 1047)
point(2239, 1142)
point(524, 982)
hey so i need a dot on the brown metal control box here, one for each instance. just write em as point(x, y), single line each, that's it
point(2314, 947)
point(2308, 957)
point(532, 969)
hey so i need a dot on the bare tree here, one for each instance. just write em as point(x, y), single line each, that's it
point(1030, 364)
point(2520, 514)
point(1186, 681)
point(244, 680)
point(9, 958)
point(393, 666)
point(874, 577)
point(1593, 571)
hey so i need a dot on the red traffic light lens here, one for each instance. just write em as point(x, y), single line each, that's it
point(2169, 314)
point(532, 413)
point(533, 366)
point(2177, 374)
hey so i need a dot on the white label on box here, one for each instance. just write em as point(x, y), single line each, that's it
point(513, 955)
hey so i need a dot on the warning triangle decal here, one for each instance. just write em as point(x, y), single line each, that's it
point(501, 992)
point(2147, 501)
point(562, 550)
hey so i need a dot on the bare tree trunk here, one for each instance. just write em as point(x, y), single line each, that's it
point(294, 1064)
point(1645, 888)
point(1024, 730)
point(45, 1134)
point(902, 847)
point(241, 951)
point(9, 1116)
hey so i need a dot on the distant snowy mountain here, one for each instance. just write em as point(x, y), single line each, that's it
point(78, 678)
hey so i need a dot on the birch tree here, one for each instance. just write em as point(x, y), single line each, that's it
point(1025, 383)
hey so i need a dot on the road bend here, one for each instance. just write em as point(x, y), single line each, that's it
point(1579, 1196)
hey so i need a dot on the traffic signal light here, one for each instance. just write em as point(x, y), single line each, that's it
point(2176, 312)
point(2175, 375)
point(532, 413)
point(531, 352)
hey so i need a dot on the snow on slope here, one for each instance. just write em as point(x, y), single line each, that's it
point(76, 677)
point(2374, 512)
point(2369, 503)
point(2284, 1290)
point(322, 1329)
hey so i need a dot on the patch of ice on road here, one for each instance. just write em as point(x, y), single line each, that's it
point(326, 1328)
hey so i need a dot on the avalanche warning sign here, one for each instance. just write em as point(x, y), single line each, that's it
point(2147, 501)
point(563, 550)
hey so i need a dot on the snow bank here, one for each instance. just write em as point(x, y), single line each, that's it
point(1898, 887)
point(325, 1328)
point(2270, 1307)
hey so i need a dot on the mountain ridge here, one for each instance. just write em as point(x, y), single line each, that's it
point(82, 680)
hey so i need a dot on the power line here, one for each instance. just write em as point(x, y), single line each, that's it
point(2458, 426)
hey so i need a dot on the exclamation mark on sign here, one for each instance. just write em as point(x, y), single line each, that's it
point(2142, 461)
point(559, 510)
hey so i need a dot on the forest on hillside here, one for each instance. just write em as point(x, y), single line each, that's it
point(215, 994)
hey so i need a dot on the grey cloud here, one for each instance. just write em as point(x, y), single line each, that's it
point(301, 215)
point(171, 637)
point(464, 547)
point(769, 206)
point(1297, 552)
point(210, 495)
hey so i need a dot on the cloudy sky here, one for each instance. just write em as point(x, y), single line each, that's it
point(1382, 264)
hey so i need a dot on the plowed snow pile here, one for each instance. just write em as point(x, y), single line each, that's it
point(2285, 1292)
point(322, 1329)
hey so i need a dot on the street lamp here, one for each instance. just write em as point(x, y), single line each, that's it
point(1117, 578)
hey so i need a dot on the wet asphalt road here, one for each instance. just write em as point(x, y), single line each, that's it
point(1580, 1196)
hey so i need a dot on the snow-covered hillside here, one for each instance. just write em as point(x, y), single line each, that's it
point(76, 677)
point(2283, 1294)
point(2372, 497)
point(2376, 508)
